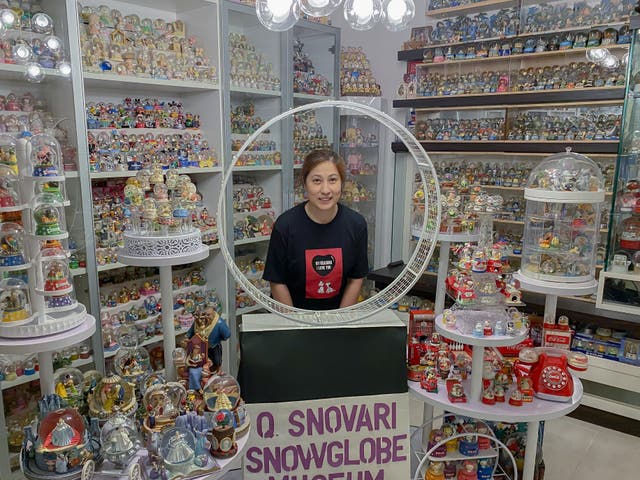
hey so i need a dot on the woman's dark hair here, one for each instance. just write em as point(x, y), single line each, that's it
point(319, 156)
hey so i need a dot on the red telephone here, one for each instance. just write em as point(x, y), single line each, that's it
point(550, 372)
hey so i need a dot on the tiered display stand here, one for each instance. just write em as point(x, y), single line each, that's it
point(532, 413)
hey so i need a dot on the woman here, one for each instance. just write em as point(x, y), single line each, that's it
point(317, 255)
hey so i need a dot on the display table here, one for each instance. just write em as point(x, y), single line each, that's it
point(166, 292)
point(532, 413)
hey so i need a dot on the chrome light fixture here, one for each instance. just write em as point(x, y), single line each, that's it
point(280, 15)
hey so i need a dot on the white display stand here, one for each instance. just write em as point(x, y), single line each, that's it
point(532, 413)
point(446, 239)
point(166, 292)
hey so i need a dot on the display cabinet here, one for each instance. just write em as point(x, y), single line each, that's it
point(618, 289)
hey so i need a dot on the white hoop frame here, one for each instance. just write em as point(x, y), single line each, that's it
point(412, 271)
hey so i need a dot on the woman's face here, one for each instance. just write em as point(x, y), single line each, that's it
point(323, 186)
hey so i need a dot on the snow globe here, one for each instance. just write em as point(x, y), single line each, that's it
point(12, 251)
point(9, 196)
point(15, 304)
point(69, 385)
point(162, 403)
point(119, 440)
point(48, 217)
point(8, 155)
point(630, 234)
point(222, 392)
point(564, 194)
point(177, 448)
point(64, 442)
point(111, 395)
point(223, 435)
point(132, 362)
point(55, 188)
point(52, 275)
point(43, 157)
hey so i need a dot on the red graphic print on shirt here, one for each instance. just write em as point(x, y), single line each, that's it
point(323, 267)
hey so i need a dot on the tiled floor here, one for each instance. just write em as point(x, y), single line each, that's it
point(576, 450)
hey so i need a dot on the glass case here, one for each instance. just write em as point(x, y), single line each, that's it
point(619, 287)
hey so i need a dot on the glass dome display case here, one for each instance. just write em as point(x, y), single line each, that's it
point(132, 361)
point(15, 303)
point(69, 384)
point(619, 286)
point(9, 193)
point(8, 155)
point(48, 217)
point(43, 157)
point(162, 403)
point(12, 246)
point(111, 395)
point(564, 195)
point(119, 439)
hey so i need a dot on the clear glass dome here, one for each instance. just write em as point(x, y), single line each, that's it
point(53, 187)
point(69, 383)
point(112, 394)
point(177, 448)
point(48, 216)
point(9, 196)
point(44, 157)
point(222, 391)
point(630, 234)
point(8, 157)
point(12, 246)
point(132, 361)
point(163, 402)
point(53, 276)
point(119, 439)
point(15, 303)
point(566, 172)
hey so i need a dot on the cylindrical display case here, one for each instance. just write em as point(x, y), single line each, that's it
point(564, 195)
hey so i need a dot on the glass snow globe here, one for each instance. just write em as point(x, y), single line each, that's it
point(69, 385)
point(111, 395)
point(630, 234)
point(119, 439)
point(12, 251)
point(8, 155)
point(53, 277)
point(132, 362)
point(15, 304)
point(222, 392)
point(48, 216)
point(177, 448)
point(564, 194)
point(43, 157)
point(55, 188)
point(9, 197)
point(162, 403)
point(62, 435)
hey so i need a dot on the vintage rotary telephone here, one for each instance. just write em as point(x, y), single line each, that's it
point(548, 369)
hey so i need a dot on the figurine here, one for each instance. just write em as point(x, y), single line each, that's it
point(211, 326)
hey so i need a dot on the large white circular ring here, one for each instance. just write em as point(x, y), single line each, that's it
point(412, 271)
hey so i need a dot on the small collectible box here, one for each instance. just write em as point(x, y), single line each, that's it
point(629, 351)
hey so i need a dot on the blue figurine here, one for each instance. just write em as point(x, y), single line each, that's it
point(212, 328)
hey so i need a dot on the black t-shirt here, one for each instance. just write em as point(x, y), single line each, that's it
point(315, 260)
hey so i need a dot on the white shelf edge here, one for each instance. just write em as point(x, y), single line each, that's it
point(30, 378)
point(111, 266)
point(256, 91)
point(149, 82)
point(248, 241)
point(133, 173)
point(256, 168)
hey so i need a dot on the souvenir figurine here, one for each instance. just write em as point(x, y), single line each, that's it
point(468, 470)
point(435, 437)
point(435, 471)
point(468, 445)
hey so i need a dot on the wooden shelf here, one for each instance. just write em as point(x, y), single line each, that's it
point(474, 7)
point(417, 54)
point(519, 56)
point(514, 146)
point(512, 99)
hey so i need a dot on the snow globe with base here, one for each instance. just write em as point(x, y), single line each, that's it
point(15, 303)
point(43, 157)
point(132, 362)
point(12, 246)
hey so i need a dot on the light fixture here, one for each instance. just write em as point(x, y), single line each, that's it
point(42, 23)
point(53, 43)
point(319, 8)
point(611, 62)
point(398, 14)
point(280, 15)
point(64, 67)
point(33, 72)
point(597, 55)
point(362, 14)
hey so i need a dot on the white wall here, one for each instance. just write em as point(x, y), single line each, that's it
point(381, 47)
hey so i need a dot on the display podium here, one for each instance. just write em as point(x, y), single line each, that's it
point(311, 385)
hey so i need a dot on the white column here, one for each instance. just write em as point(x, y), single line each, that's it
point(168, 331)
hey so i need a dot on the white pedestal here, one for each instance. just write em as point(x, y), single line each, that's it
point(445, 240)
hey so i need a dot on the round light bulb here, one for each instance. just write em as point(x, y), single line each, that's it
point(53, 43)
point(362, 14)
point(596, 55)
point(611, 62)
point(8, 18)
point(319, 8)
point(33, 72)
point(41, 23)
point(399, 14)
point(278, 15)
point(64, 67)
point(21, 52)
